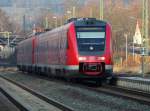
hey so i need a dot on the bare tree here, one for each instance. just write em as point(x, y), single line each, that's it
point(5, 24)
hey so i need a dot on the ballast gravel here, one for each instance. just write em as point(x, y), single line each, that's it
point(78, 98)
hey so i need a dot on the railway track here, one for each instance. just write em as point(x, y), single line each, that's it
point(127, 93)
point(135, 95)
point(139, 96)
point(16, 103)
point(60, 106)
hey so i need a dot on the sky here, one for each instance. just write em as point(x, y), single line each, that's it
point(22, 3)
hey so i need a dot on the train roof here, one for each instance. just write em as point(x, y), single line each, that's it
point(78, 22)
point(87, 22)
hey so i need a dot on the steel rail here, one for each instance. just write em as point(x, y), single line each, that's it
point(139, 96)
point(41, 96)
point(13, 101)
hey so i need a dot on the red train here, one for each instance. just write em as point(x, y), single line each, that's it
point(79, 49)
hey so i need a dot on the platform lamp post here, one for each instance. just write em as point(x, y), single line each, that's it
point(133, 53)
point(142, 61)
point(126, 37)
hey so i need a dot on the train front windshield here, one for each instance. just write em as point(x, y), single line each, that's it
point(91, 41)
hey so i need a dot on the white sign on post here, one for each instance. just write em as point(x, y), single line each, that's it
point(144, 51)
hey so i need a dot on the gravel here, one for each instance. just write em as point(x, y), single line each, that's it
point(78, 98)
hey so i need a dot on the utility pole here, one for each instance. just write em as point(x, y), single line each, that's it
point(101, 9)
point(46, 23)
point(91, 12)
point(74, 11)
point(126, 37)
point(56, 21)
point(145, 38)
point(8, 36)
point(145, 26)
point(24, 24)
point(68, 14)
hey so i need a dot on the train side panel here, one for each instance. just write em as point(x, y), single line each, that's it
point(108, 51)
point(24, 55)
point(50, 51)
point(72, 49)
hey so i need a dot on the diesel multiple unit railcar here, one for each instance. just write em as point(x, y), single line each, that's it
point(81, 48)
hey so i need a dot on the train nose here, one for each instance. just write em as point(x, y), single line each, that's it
point(91, 68)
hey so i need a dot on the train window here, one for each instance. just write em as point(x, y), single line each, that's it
point(90, 34)
point(91, 40)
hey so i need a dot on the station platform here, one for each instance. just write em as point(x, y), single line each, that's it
point(6, 105)
point(25, 99)
point(136, 82)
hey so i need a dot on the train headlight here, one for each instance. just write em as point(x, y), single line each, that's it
point(101, 58)
point(82, 58)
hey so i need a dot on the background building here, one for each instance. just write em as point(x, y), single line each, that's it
point(137, 39)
